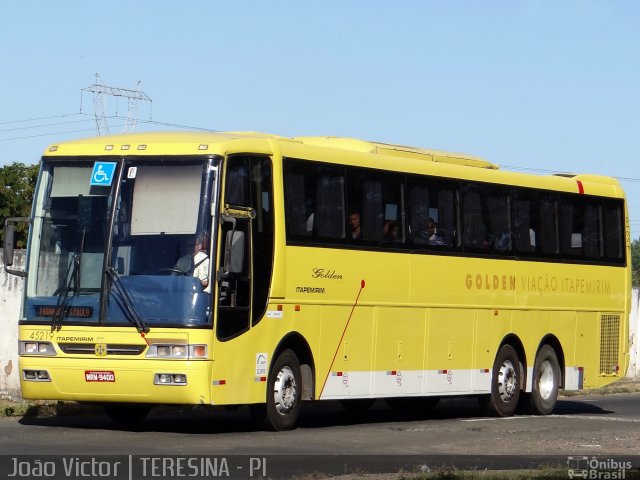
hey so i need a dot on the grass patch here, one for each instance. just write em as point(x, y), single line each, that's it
point(9, 408)
point(453, 474)
point(624, 385)
point(549, 472)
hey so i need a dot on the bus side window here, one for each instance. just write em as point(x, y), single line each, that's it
point(314, 200)
point(580, 227)
point(525, 224)
point(486, 219)
point(432, 203)
point(613, 227)
point(329, 203)
point(377, 199)
point(548, 234)
point(296, 203)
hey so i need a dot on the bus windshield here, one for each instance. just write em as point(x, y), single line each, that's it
point(154, 219)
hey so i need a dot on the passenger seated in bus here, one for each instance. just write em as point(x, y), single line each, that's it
point(503, 242)
point(354, 224)
point(429, 236)
point(391, 233)
point(201, 262)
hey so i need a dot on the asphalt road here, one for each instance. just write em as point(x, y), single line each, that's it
point(332, 440)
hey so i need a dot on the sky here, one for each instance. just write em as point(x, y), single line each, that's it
point(534, 86)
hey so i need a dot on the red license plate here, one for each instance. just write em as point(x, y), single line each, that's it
point(99, 376)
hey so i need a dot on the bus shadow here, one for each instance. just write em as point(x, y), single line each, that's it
point(316, 415)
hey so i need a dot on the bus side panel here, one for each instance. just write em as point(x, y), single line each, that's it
point(241, 366)
point(587, 347)
point(449, 356)
point(349, 375)
point(399, 352)
point(490, 329)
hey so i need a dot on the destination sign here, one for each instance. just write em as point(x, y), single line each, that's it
point(75, 311)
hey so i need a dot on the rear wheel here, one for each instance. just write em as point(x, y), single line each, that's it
point(505, 383)
point(284, 392)
point(546, 381)
point(120, 413)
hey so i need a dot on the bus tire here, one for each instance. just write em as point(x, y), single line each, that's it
point(505, 383)
point(284, 392)
point(126, 414)
point(546, 382)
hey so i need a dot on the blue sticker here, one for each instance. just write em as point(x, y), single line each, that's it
point(102, 174)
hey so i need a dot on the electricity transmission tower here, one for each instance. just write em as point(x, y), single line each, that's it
point(101, 92)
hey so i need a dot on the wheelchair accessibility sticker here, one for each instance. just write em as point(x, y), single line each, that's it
point(102, 174)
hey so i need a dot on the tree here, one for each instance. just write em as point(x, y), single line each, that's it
point(635, 262)
point(17, 184)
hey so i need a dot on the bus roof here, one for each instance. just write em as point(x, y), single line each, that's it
point(184, 142)
point(221, 143)
point(403, 151)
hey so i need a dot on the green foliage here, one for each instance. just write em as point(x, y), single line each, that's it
point(17, 183)
point(635, 262)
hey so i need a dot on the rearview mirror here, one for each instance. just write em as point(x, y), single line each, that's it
point(9, 239)
point(9, 233)
point(234, 252)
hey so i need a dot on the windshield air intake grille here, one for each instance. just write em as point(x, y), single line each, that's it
point(90, 349)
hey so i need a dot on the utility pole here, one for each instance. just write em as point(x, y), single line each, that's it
point(101, 92)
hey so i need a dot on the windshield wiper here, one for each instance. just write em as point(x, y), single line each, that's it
point(125, 302)
point(72, 276)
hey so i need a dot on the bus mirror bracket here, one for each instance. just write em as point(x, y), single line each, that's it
point(9, 236)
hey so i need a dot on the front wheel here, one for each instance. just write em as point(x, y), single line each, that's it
point(284, 391)
point(546, 382)
point(505, 383)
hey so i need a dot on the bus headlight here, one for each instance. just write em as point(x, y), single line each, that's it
point(35, 348)
point(36, 376)
point(170, 379)
point(178, 352)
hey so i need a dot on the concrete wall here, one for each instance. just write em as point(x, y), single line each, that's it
point(634, 339)
point(11, 288)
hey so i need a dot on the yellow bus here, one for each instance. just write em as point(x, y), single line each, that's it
point(242, 268)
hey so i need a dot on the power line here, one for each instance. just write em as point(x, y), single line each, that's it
point(154, 122)
point(116, 117)
point(55, 133)
point(40, 118)
point(42, 125)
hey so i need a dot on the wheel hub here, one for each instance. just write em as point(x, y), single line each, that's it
point(507, 381)
point(284, 391)
point(546, 380)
